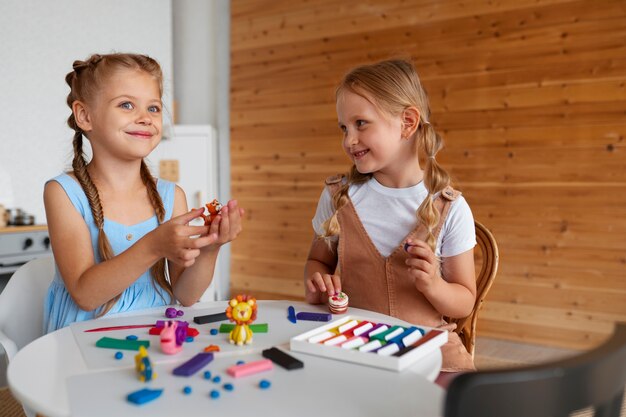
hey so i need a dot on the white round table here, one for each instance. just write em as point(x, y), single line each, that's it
point(63, 373)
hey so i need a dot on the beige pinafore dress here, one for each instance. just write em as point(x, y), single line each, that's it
point(381, 284)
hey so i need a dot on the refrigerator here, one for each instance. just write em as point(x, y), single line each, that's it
point(187, 155)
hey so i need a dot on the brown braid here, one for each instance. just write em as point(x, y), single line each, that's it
point(393, 85)
point(84, 81)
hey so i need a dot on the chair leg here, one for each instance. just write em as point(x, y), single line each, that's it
point(611, 408)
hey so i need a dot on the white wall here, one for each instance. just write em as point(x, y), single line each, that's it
point(201, 34)
point(194, 60)
point(39, 40)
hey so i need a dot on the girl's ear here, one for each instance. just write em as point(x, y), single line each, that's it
point(82, 116)
point(410, 121)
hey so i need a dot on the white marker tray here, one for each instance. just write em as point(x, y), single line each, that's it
point(431, 341)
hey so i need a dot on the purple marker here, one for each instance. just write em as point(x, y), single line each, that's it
point(304, 315)
point(193, 365)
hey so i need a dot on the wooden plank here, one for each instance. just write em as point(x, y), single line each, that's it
point(565, 277)
point(344, 19)
point(253, 283)
point(546, 334)
point(582, 300)
point(259, 191)
point(552, 44)
point(282, 114)
point(265, 295)
point(532, 95)
point(494, 32)
point(560, 136)
point(556, 317)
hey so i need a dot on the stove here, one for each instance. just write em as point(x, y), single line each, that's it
point(20, 244)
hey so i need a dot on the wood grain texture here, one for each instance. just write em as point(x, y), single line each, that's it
point(530, 98)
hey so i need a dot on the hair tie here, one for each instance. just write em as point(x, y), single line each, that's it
point(92, 61)
point(431, 157)
point(95, 59)
point(79, 65)
point(425, 122)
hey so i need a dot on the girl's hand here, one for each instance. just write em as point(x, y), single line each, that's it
point(422, 265)
point(173, 239)
point(325, 283)
point(227, 224)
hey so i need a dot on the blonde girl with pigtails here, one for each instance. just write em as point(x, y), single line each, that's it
point(121, 238)
point(395, 237)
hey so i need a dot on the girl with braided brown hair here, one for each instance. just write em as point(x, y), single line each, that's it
point(112, 225)
point(396, 238)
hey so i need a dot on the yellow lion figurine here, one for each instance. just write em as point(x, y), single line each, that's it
point(242, 311)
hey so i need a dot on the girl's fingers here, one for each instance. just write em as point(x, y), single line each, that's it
point(421, 250)
point(328, 282)
point(190, 254)
point(202, 241)
point(187, 217)
point(224, 222)
point(235, 221)
point(419, 264)
point(336, 279)
point(214, 229)
point(310, 286)
point(419, 275)
point(318, 281)
point(192, 230)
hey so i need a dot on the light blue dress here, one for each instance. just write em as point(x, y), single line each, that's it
point(59, 308)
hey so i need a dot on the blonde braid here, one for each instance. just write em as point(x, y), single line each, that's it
point(435, 180)
point(158, 269)
point(340, 198)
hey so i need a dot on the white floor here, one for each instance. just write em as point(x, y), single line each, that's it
point(495, 353)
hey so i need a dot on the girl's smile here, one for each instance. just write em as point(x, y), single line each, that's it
point(141, 134)
point(359, 154)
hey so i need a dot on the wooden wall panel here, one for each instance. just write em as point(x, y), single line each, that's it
point(530, 98)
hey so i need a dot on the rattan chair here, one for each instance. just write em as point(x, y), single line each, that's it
point(595, 379)
point(488, 259)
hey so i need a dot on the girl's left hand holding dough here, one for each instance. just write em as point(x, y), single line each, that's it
point(227, 224)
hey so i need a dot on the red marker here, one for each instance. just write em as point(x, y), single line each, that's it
point(129, 326)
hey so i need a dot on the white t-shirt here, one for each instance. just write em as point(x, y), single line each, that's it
point(389, 214)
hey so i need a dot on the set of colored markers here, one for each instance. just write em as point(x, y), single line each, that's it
point(366, 342)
